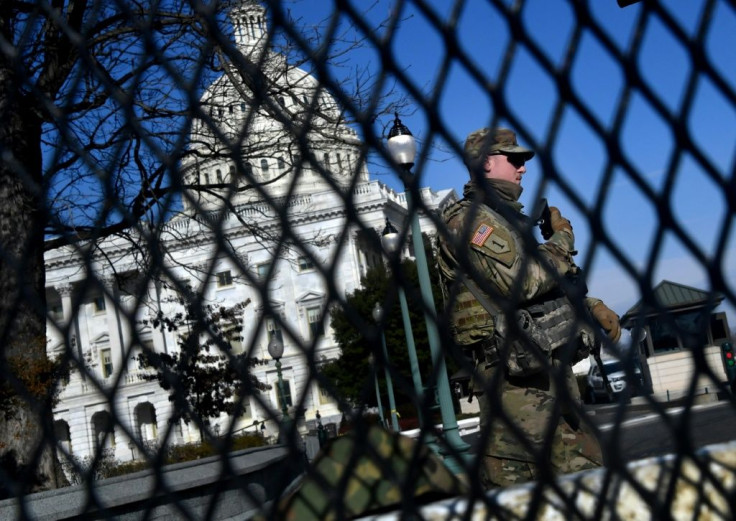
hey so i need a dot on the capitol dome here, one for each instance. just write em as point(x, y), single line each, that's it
point(265, 129)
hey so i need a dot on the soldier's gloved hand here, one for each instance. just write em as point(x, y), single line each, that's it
point(557, 222)
point(608, 321)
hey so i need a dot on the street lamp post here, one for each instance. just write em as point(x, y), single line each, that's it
point(378, 317)
point(390, 240)
point(321, 434)
point(276, 350)
point(372, 363)
point(402, 147)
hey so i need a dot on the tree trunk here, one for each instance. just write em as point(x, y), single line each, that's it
point(26, 422)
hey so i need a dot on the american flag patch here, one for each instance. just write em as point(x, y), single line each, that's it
point(481, 235)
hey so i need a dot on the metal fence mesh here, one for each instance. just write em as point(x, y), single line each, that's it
point(176, 179)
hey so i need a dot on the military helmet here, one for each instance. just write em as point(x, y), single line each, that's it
point(488, 141)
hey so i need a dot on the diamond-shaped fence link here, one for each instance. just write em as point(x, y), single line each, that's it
point(212, 309)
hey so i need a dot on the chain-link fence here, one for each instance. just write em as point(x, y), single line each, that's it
point(213, 309)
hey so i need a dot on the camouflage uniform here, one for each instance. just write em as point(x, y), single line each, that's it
point(530, 426)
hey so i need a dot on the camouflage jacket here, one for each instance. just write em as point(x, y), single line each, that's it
point(492, 241)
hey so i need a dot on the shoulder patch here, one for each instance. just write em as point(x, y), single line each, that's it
point(481, 234)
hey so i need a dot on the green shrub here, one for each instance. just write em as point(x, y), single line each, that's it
point(129, 467)
point(195, 451)
point(80, 470)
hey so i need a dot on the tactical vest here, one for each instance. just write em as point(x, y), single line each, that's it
point(546, 325)
point(470, 323)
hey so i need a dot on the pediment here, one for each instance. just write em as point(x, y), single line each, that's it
point(104, 338)
point(310, 297)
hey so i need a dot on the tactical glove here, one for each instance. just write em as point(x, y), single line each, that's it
point(557, 222)
point(608, 321)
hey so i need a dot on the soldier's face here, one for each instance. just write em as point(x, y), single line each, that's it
point(507, 168)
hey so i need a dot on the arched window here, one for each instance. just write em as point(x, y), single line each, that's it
point(219, 176)
point(103, 431)
point(206, 178)
point(248, 169)
point(264, 167)
point(281, 163)
point(145, 417)
point(61, 429)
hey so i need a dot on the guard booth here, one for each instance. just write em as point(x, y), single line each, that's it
point(676, 324)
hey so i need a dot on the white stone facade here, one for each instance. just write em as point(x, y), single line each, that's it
point(297, 237)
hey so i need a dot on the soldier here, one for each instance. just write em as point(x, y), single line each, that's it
point(513, 304)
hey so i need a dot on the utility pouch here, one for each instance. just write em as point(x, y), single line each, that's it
point(530, 352)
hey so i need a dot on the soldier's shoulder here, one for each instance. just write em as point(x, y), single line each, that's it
point(462, 207)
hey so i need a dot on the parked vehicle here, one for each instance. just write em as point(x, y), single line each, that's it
point(619, 377)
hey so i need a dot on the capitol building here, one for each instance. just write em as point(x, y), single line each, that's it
point(278, 211)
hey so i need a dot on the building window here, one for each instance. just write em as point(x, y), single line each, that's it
point(219, 176)
point(719, 328)
point(206, 178)
point(248, 169)
point(106, 362)
point(230, 109)
point(678, 331)
point(326, 160)
point(247, 410)
point(262, 270)
point(264, 167)
point(273, 329)
point(314, 318)
point(242, 107)
point(224, 279)
point(281, 163)
point(324, 396)
point(305, 263)
point(99, 304)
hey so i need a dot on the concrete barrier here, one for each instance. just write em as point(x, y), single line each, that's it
point(212, 488)
point(701, 486)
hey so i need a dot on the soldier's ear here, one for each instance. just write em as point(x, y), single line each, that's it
point(488, 162)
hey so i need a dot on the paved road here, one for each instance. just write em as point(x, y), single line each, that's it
point(645, 433)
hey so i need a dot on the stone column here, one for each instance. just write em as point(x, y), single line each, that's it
point(114, 324)
point(71, 322)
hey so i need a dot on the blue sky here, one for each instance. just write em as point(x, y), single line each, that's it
point(587, 180)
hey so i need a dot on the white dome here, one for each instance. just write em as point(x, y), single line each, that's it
point(265, 129)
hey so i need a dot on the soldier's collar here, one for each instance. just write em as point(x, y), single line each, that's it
point(493, 191)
